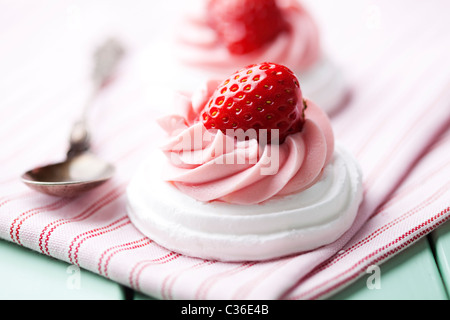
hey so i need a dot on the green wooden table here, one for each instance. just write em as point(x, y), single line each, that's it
point(420, 272)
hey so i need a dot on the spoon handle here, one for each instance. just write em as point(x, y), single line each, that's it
point(106, 59)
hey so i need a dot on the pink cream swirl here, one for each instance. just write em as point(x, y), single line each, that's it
point(299, 47)
point(205, 170)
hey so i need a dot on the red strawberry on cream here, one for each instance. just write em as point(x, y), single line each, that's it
point(212, 195)
point(260, 96)
point(244, 26)
point(226, 34)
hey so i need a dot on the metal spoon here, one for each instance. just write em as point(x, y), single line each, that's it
point(82, 170)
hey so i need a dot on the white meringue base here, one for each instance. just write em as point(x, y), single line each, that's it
point(324, 84)
point(227, 232)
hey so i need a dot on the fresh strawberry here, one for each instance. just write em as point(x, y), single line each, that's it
point(245, 25)
point(260, 96)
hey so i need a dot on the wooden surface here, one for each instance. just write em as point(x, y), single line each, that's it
point(28, 275)
point(420, 272)
point(39, 40)
point(411, 275)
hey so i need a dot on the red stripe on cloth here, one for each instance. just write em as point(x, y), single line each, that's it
point(390, 113)
point(202, 291)
point(375, 172)
point(91, 210)
point(140, 266)
point(15, 236)
point(21, 195)
point(391, 63)
point(138, 275)
point(442, 141)
point(169, 281)
point(133, 270)
point(243, 291)
point(46, 106)
point(378, 232)
point(92, 233)
point(425, 227)
point(120, 248)
point(76, 252)
point(355, 112)
point(401, 194)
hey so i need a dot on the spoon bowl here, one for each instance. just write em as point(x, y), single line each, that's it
point(70, 178)
point(82, 170)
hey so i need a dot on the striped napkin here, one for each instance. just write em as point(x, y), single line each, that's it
point(396, 123)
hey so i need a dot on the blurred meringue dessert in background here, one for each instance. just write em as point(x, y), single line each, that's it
point(217, 37)
point(248, 170)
